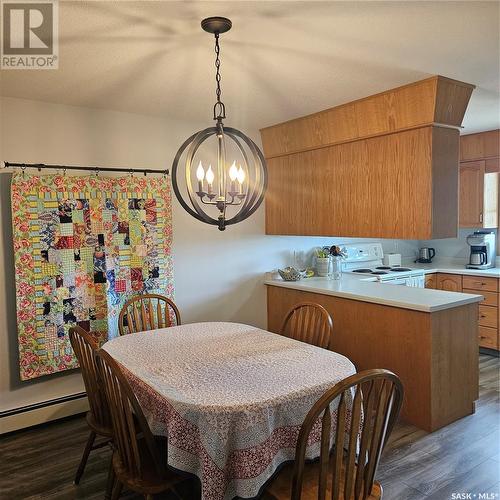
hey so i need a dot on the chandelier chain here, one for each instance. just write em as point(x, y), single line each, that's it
point(219, 108)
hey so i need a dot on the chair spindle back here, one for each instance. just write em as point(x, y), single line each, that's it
point(309, 322)
point(127, 418)
point(148, 312)
point(85, 348)
point(350, 457)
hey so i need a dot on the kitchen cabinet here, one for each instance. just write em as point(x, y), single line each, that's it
point(488, 316)
point(384, 166)
point(489, 309)
point(385, 187)
point(478, 196)
point(430, 281)
point(488, 337)
point(435, 100)
point(490, 298)
point(449, 282)
point(480, 283)
point(434, 353)
point(479, 146)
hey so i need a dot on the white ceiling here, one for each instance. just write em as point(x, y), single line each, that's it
point(281, 59)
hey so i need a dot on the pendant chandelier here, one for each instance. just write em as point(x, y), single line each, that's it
point(220, 170)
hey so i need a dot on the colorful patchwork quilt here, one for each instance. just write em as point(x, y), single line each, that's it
point(82, 247)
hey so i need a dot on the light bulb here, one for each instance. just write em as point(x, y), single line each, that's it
point(200, 172)
point(241, 175)
point(233, 172)
point(210, 175)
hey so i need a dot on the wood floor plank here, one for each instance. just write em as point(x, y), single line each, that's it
point(401, 491)
point(428, 462)
point(480, 479)
point(39, 463)
point(445, 469)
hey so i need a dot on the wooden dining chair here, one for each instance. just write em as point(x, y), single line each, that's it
point(139, 459)
point(351, 439)
point(148, 312)
point(308, 322)
point(98, 419)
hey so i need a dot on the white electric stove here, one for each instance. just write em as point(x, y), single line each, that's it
point(366, 259)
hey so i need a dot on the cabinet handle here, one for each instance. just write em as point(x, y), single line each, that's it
point(481, 217)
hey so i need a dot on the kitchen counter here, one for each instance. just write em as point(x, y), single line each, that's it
point(354, 288)
point(453, 267)
point(429, 338)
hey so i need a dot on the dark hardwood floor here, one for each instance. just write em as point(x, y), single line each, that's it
point(463, 457)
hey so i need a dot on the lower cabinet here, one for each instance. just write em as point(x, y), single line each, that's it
point(430, 281)
point(488, 337)
point(449, 282)
point(489, 309)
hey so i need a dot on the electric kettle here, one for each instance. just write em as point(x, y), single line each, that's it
point(425, 255)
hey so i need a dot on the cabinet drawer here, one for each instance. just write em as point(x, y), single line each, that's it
point(490, 298)
point(481, 283)
point(488, 337)
point(488, 316)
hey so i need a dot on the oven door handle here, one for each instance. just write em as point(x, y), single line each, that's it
point(394, 281)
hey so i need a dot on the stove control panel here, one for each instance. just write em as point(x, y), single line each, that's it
point(363, 252)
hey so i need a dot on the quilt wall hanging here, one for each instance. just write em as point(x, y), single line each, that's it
point(82, 247)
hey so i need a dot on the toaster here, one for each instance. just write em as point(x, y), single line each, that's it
point(392, 259)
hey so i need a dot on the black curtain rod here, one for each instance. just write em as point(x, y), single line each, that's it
point(40, 166)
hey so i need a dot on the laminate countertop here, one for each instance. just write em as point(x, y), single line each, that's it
point(455, 266)
point(353, 288)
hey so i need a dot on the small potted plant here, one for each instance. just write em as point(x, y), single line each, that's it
point(322, 261)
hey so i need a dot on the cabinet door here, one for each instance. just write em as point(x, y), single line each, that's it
point(449, 282)
point(490, 201)
point(430, 281)
point(471, 194)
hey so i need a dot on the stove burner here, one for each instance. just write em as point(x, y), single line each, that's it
point(384, 268)
point(362, 271)
point(400, 269)
point(379, 272)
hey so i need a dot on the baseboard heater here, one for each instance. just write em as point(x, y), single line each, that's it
point(45, 411)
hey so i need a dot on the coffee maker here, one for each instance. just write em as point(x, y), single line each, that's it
point(482, 250)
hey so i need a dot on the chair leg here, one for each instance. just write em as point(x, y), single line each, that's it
point(86, 452)
point(111, 481)
point(117, 490)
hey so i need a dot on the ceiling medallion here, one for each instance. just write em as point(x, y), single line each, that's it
point(230, 190)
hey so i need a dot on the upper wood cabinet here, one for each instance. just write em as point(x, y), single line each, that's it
point(471, 194)
point(381, 167)
point(435, 100)
point(480, 146)
point(479, 180)
point(398, 186)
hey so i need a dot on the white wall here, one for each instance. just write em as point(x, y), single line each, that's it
point(218, 275)
point(453, 248)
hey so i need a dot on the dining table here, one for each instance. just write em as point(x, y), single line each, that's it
point(229, 397)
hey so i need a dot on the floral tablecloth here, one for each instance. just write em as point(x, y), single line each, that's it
point(230, 397)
